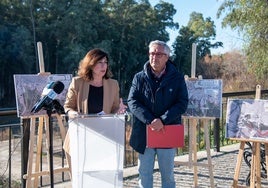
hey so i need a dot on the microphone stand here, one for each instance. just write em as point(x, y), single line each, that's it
point(50, 129)
point(54, 107)
point(50, 108)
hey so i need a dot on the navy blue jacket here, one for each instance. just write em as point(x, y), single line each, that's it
point(149, 98)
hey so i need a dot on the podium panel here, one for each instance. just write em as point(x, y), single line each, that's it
point(97, 151)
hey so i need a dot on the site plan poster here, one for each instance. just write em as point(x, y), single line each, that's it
point(29, 87)
point(205, 98)
point(247, 118)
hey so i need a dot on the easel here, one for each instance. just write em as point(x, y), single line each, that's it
point(44, 121)
point(192, 159)
point(33, 174)
point(255, 169)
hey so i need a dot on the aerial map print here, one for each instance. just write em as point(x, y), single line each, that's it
point(29, 87)
point(247, 118)
point(205, 98)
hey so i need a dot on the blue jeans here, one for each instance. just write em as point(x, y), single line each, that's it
point(146, 162)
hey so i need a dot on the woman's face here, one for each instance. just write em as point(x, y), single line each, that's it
point(100, 67)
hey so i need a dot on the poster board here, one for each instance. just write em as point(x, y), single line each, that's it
point(247, 118)
point(97, 151)
point(29, 87)
point(205, 98)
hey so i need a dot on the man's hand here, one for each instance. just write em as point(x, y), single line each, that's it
point(156, 125)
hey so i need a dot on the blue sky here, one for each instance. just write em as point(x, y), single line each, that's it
point(231, 39)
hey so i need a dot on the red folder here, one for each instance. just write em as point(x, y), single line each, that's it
point(171, 137)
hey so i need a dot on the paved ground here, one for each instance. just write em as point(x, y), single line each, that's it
point(224, 164)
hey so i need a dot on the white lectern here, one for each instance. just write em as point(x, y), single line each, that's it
point(97, 151)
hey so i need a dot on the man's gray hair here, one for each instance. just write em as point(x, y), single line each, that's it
point(160, 43)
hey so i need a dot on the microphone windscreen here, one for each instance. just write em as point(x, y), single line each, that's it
point(47, 89)
point(58, 87)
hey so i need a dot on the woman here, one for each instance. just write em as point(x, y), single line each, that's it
point(92, 91)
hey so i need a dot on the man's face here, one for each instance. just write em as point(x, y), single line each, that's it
point(158, 58)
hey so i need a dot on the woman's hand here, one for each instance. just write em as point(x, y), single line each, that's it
point(122, 107)
point(72, 114)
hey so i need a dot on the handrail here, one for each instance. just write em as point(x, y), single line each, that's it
point(242, 93)
point(7, 113)
point(13, 110)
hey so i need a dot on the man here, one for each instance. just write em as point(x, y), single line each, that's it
point(158, 97)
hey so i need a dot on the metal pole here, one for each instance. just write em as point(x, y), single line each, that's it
point(217, 134)
point(50, 127)
point(25, 129)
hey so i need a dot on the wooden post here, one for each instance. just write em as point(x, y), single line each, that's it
point(193, 60)
point(40, 57)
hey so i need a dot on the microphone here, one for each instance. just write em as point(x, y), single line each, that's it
point(48, 95)
point(47, 89)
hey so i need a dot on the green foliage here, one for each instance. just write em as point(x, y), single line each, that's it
point(16, 58)
point(199, 31)
point(136, 25)
point(183, 49)
point(250, 17)
point(201, 28)
point(68, 29)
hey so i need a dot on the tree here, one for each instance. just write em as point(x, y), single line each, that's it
point(16, 49)
point(135, 26)
point(68, 29)
point(250, 17)
point(183, 49)
point(200, 31)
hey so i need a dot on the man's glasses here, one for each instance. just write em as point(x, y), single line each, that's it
point(157, 54)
